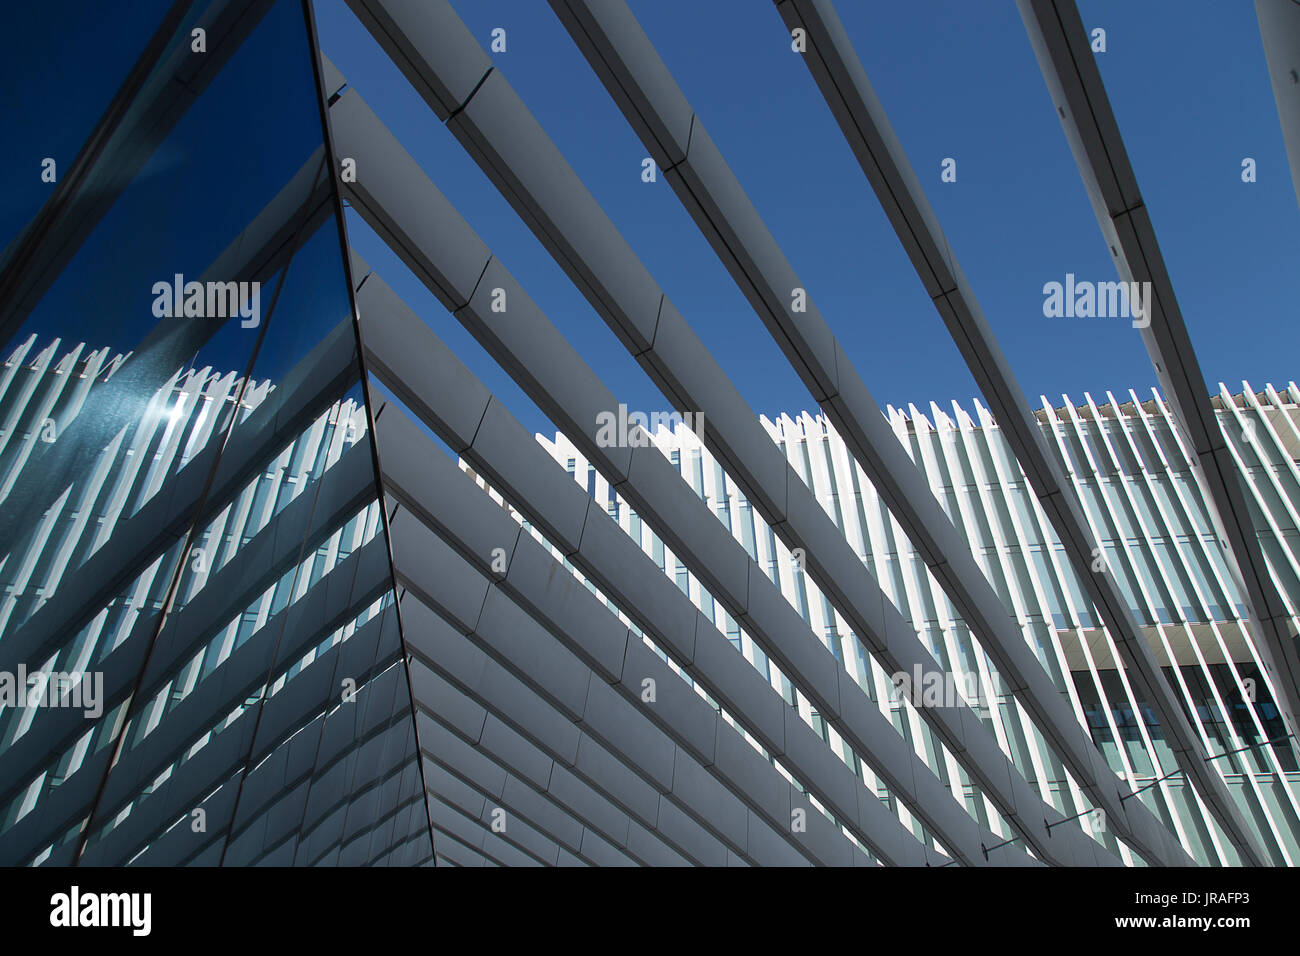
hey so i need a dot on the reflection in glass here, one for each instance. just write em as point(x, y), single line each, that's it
point(192, 549)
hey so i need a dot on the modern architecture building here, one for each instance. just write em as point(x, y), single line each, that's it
point(1127, 464)
point(283, 581)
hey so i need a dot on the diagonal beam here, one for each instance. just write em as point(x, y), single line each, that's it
point(843, 81)
point(398, 200)
point(626, 61)
point(421, 211)
point(511, 147)
point(435, 570)
point(619, 567)
point(503, 762)
point(471, 702)
point(1061, 44)
point(499, 448)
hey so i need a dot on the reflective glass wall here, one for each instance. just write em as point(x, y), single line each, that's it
point(200, 656)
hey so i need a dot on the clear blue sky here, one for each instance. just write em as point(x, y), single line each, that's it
point(958, 77)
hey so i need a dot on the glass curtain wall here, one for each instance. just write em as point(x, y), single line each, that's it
point(200, 656)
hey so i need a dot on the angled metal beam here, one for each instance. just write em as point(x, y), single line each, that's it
point(440, 574)
point(1074, 81)
point(521, 776)
point(839, 74)
point(361, 746)
point(453, 852)
point(581, 237)
point(452, 824)
point(618, 807)
point(530, 821)
point(500, 133)
point(403, 350)
point(500, 753)
point(486, 707)
point(415, 206)
point(421, 477)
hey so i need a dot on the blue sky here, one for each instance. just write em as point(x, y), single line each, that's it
point(959, 79)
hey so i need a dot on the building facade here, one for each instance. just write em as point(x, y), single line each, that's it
point(1130, 468)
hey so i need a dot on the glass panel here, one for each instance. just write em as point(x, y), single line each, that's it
point(186, 470)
